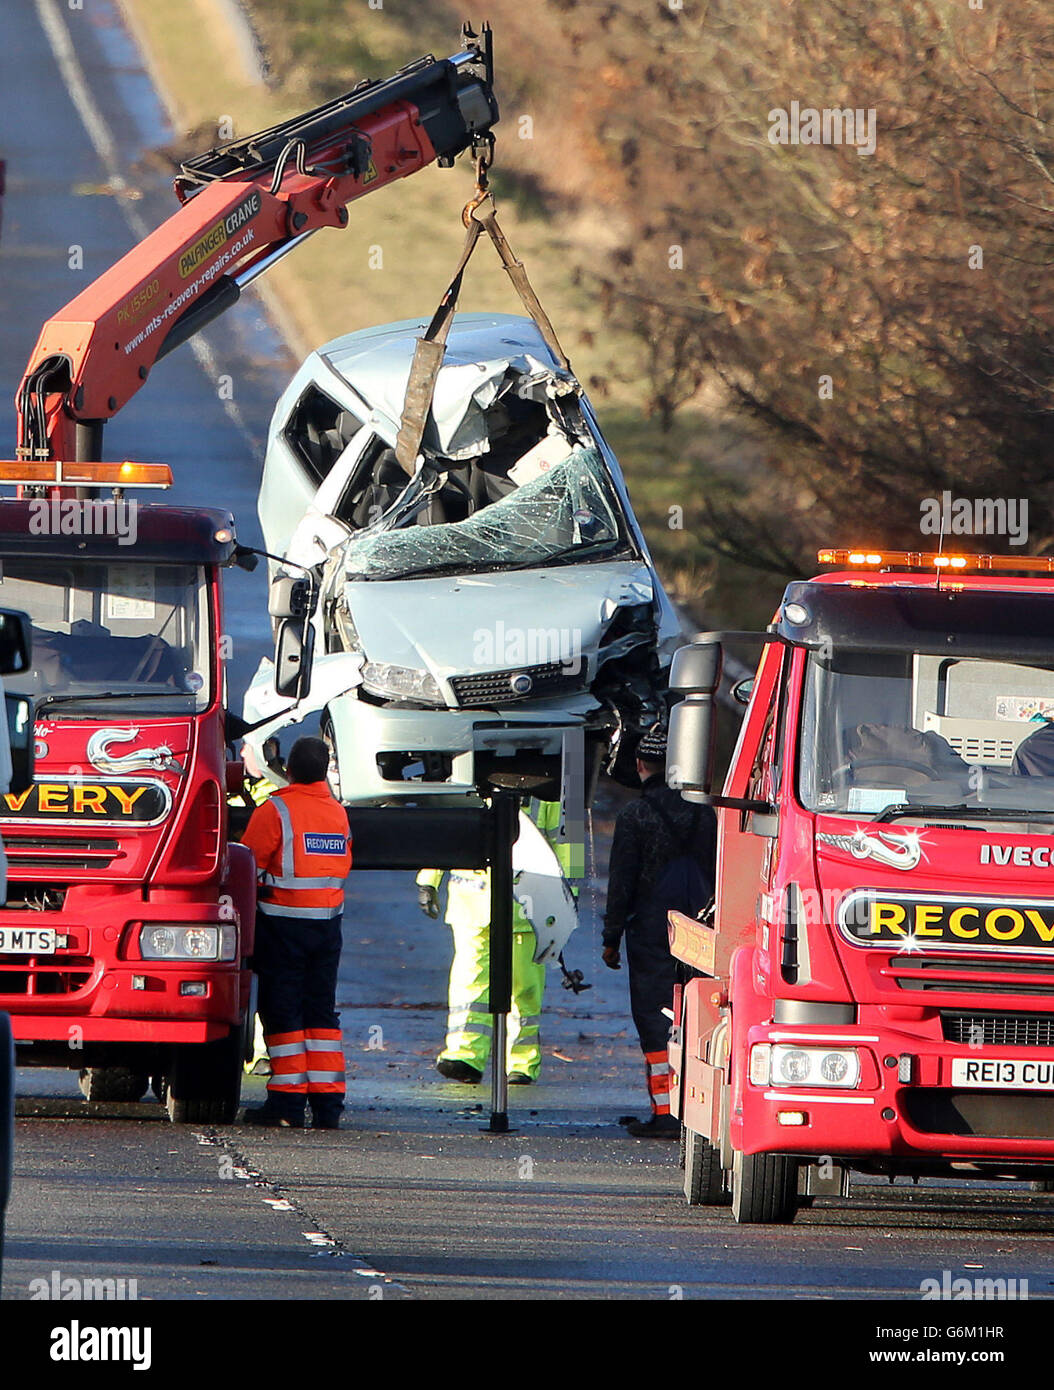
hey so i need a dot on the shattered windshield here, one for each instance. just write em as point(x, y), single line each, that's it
point(566, 513)
point(882, 732)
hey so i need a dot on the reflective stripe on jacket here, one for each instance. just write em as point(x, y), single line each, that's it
point(299, 838)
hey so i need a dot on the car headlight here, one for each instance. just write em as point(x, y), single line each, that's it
point(401, 683)
point(782, 1064)
point(176, 942)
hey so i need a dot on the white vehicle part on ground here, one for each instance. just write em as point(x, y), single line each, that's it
point(331, 676)
point(539, 886)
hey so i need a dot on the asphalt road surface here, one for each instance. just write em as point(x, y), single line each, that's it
point(410, 1200)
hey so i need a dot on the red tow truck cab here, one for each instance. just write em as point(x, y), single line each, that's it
point(129, 917)
point(875, 988)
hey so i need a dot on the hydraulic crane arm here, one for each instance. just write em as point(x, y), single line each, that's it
point(244, 205)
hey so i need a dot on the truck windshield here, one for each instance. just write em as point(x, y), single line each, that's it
point(567, 513)
point(112, 635)
point(903, 730)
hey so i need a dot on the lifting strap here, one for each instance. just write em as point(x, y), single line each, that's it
point(480, 215)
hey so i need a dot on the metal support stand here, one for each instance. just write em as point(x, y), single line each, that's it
point(505, 809)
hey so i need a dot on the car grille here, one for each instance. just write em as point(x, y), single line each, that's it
point(496, 687)
point(927, 973)
point(999, 1030)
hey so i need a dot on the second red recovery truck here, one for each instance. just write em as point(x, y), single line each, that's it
point(875, 988)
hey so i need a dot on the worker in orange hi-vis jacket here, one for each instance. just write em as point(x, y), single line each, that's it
point(302, 846)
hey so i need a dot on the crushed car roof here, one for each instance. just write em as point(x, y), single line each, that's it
point(375, 362)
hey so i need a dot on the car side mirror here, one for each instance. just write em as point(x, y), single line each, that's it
point(20, 721)
point(294, 649)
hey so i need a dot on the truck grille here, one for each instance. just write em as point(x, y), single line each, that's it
point(60, 851)
point(953, 976)
point(43, 975)
point(999, 1030)
point(989, 1115)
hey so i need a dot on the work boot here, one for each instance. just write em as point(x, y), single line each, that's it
point(658, 1127)
point(325, 1119)
point(270, 1119)
point(520, 1078)
point(454, 1070)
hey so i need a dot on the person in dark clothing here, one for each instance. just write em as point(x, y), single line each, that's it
point(650, 833)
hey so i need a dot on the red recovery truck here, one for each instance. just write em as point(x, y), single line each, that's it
point(874, 989)
point(129, 919)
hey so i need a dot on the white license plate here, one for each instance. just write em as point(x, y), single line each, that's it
point(27, 941)
point(1003, 1074)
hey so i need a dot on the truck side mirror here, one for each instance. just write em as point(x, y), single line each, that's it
point(293, 652)
point(15, 641)
point(691, 742)
point(20, 719)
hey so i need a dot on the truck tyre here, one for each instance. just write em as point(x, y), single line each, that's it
point(764, 1189)
point(205, 1081)
point(703, 1179)
point(682, 1148)
point(113, 1084)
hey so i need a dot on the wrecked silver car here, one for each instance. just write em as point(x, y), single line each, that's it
point(470, 614)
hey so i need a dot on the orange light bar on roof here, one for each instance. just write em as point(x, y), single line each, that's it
point(52, 473)
point(922, 560)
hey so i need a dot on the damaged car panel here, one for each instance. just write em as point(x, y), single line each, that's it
point(495, 599)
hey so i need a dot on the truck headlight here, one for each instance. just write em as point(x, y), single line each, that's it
point(176, 942)
point(782, 1064)
point(401, 683)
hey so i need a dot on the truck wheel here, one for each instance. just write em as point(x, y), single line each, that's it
point(764, 1189)
point(1041, 1185)
point(682, 1148)
point(205, 1081)
point(703, 1179)
point(113, 1084)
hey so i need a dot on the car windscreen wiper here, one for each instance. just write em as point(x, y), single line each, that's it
point(909, 808)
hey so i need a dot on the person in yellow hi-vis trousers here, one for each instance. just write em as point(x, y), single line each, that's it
point(469, 1024)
